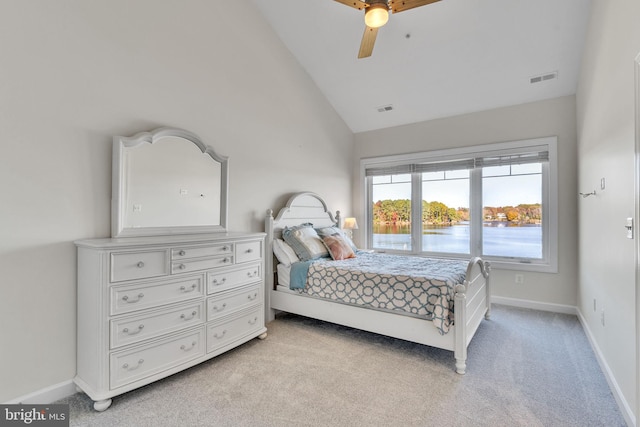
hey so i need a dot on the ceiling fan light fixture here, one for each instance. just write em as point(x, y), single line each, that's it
point(376, 15)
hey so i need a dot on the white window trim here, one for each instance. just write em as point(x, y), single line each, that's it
point(550, 187)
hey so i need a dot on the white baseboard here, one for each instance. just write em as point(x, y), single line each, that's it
point(48, 394)
point(535, 305)
point(625, 409)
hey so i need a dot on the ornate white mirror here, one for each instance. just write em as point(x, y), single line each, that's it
point(167, 182)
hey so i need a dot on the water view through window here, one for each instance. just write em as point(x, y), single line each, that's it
point(514, 241)
point(511, 211)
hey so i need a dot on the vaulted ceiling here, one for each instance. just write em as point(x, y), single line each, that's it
point(444, 59)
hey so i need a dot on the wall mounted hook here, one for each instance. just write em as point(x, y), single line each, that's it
point(585, 195)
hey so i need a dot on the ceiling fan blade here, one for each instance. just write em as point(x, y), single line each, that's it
point(402, 5)
point(368, 40)
point(356, 4)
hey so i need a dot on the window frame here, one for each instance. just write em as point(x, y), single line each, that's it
point(549, 261)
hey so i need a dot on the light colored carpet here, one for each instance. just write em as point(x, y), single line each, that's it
point(525, 368)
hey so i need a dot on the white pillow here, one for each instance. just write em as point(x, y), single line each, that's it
point(284, 253)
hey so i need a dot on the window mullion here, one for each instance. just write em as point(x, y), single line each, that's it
point(416, 212)
point(476, 212)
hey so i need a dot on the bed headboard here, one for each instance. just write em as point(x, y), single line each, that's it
point(300, 208)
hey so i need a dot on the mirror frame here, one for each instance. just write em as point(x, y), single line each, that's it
point(119, 183)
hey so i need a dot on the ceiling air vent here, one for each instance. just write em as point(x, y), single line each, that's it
point(544, 77)
point(385, 108)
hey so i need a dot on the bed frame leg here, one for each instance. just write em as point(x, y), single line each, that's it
point(487, 284)
point(460, 338)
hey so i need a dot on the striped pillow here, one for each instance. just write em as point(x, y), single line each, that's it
point(305, 242)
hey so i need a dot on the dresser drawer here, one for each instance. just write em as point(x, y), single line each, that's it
point(229, 329)
point(224, 303)
point(139, 265)
point(248, 251)
point(127, 298)
point(201, 251)
point(223, 280)
point(184, 266)
point(132, 329)
point(132, 365)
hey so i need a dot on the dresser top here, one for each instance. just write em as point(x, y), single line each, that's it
point(182, 239)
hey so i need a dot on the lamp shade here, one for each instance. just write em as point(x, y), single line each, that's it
point(376, 15)
point(350, 224)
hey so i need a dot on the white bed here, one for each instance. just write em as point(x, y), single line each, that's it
point(471, 296)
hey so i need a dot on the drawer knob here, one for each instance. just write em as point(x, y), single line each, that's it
point(215, 307)
point(226, 260)
point(140, 264)
point(126, 365)
point(221, 282)
point(252, 297)
point(126, 298)
point(252, 274)
point(134, 332)
point(182, 266)
point(249, 250)
point(182, 253)
point(191, 288)
point(253, 321)
point(193, 314)
point(221, 335)
point(185, 348)
point(225, 248)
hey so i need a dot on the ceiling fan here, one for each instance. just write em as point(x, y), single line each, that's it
point(376, 14)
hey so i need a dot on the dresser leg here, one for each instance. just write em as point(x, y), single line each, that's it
point(262, 336)
point(102, 405)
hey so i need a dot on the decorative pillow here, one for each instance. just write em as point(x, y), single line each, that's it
point(284, 253)
point(338, 247)
point(330, 231)
point(305, 242)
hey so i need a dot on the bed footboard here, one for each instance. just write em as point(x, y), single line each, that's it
point(472, 302)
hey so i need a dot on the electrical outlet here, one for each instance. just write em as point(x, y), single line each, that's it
point(519, 279)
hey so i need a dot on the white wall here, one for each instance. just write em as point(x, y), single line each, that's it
point(605, 118)
point(539, 119)
point(75, 73)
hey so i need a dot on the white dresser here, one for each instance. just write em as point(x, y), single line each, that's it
point(149, 307)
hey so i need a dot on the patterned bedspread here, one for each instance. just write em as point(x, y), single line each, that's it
point(421, 287)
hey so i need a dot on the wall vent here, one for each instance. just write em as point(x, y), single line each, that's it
point(385, 108)
point(544, 77)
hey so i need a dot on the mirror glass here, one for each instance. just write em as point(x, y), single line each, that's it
point(167, 182)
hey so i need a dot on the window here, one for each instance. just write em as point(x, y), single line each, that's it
point(497, 201)
point(512, 211)
point(391, 211)
point(445, 211)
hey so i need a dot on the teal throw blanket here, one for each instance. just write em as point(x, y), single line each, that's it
point(298, 275)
